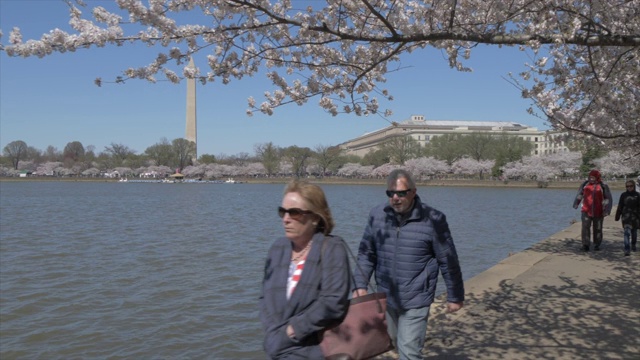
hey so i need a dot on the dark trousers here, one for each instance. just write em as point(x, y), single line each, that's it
point(589, 222)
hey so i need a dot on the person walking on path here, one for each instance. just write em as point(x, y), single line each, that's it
point(300, 296)
point(596, 204)
point(629, 211)
point(407, 243)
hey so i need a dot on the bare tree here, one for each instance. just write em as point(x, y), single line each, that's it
point(52, 154)
point(509, 149)
point(74, 151)
point(16, 151)
point(269, 155)
point(447, 147)
point(478, 146)
point(184, 151)
point(327, 157)
point(241, 159)
point(298, 157)
point(162, 153)
point(119, 153)
point(401, 148)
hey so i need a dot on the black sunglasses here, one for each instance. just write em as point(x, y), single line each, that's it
point(400, 193)
point(294, 213)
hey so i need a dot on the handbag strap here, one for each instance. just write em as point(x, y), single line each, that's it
point(355, 260)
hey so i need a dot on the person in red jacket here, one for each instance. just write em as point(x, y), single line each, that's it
point(596, 204)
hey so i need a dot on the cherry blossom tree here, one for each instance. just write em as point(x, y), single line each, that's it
point(615, 164)
point(10, 172)
point(49, 168)
point(469, 166)
point(254, 169)
point(194, 171)
point(162, 170)
point(313, 168)
point(384, 170)
point(139, 171)
point(355, 170)
point(91, 172)
point(124, 171)
point(213, 171)
point(529, 168)
point(66, 172)
point(27, 165)
point(425, 167)
point(285, 167)
point(582, 76)
point(564, 163)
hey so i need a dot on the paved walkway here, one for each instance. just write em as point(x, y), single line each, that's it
point(552, 301)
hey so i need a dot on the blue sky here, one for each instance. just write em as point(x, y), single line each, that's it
point(53, 100)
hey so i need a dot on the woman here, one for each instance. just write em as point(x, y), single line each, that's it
point(306, 276)
point(629, 211)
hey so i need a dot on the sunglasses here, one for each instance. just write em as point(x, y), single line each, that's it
point(400, 193)
point(294, 213)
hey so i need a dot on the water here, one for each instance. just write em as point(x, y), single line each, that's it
point(173, 271)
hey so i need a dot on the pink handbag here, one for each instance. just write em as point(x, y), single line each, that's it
point(363, 332)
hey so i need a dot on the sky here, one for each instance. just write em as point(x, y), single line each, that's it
point(54, 101)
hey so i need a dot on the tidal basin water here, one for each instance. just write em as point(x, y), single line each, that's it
point(173, 271)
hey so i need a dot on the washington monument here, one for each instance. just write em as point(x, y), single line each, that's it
point(191, 131)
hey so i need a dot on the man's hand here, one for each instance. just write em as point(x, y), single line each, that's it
point(291, 333)
point(359, 292)
point(453, 307)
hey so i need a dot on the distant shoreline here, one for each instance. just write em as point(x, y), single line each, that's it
point(614, 185)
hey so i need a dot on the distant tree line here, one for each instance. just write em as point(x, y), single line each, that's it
point(465, 156)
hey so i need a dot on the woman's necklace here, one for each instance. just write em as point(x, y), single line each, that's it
point(302, 252)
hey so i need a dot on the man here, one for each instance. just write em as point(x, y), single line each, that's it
point(596, 204)
point(407, 243)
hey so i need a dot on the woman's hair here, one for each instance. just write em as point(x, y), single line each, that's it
point(314, 196)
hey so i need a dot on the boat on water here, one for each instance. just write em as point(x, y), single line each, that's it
point(230, 181)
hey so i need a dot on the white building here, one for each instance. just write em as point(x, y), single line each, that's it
point(422, 131)
point(553, 142)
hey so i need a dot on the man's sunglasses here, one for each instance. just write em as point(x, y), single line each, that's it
point(400, 193)
point(294, 213)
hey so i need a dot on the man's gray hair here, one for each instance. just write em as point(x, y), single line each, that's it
point(399, 174)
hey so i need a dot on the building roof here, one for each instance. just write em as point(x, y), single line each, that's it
point(419, 120)
point(463, 123)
